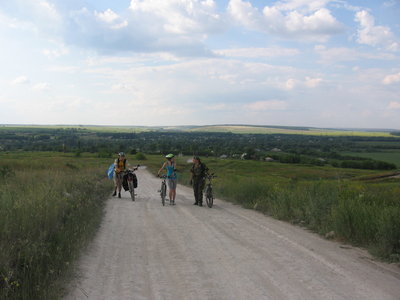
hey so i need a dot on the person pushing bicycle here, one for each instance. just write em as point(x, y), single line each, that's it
point(170, 166)
point(120, 165)
point(197, 180)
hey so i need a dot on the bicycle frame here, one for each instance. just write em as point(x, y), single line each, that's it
point(163, 189)
point(131, 178)
point(208, 190)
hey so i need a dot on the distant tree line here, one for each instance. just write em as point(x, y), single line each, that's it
point(285, 148)
point(395, 133)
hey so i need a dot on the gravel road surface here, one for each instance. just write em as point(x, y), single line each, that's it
point(146, 251)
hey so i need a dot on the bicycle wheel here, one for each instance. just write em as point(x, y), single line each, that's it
point(131, 190)
point(163, 193)
point(209, 197)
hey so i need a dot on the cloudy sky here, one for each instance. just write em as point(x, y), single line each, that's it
point(320, 63)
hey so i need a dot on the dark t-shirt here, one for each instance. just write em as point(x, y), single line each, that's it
point(199, 171)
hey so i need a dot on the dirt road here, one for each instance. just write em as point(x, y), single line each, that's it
point(146, 251)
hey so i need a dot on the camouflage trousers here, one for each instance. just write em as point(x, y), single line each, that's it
point(198, 187)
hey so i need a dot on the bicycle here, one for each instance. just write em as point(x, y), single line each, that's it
point(209, 190)
point(132, 181)
point(163, 189)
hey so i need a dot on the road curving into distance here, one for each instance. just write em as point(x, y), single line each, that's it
point(146, 251)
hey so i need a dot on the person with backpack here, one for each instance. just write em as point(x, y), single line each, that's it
point(170, 166)
point(120, 165)
point(197, 180)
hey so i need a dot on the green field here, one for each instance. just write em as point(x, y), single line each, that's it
point(387, 156)
point(82, 127)
point(267, 171)
point(238, 129)
point(247, 129)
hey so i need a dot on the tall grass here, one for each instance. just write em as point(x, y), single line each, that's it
point(49, 207)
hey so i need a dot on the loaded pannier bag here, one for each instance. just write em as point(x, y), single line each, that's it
point(135, 181)
point(125, 182)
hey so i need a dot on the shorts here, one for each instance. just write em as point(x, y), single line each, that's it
point(171, 182)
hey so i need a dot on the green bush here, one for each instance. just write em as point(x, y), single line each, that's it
point(140, 156)
point(6, 171)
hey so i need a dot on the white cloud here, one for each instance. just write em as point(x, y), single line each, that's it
point(390, 79)
point(176, 26)
point(179, 17)
point(258, 52)
point(389, 3)
point(34, 15)
point(343, 54)
point(122, 87)
point(55, 53)
point(120, 25)
point(111, 18)
point(372, 35)
point(290, 19)
point(42, 86)
point(218, 107)
point(47, 9)
point(20, 80)
point(245, 13)
point(307, 82)
point(267, 105)
point(320, 24)
point(63, 69)
point(107, 16)
point(290, 84)
point(394, 105)
point(312, 82)
point(306, 5)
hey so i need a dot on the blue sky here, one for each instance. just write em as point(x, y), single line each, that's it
point(320, 63)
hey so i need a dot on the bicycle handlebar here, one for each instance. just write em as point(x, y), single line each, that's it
point(134, 169)
point(211, 175)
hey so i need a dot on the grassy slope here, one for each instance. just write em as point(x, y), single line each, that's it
point(50, 205)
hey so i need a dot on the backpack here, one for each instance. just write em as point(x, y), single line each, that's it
point(110, 171)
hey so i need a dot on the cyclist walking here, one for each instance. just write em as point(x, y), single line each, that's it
point(197, 180)
point(170, 166)
point(120, 165)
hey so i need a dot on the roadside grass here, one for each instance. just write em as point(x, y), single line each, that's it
point(50, 206)
point(366, 215)
point(334, 201)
